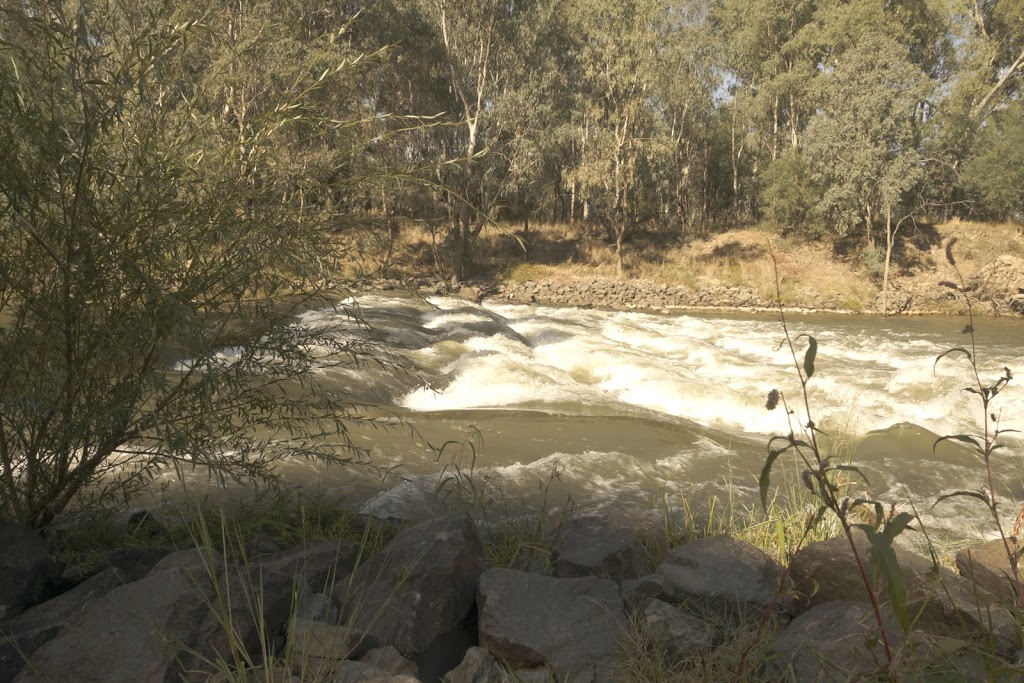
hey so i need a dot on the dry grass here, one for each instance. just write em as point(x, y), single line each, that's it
point(811, 273)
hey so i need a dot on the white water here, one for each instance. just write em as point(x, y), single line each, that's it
point(626, 406)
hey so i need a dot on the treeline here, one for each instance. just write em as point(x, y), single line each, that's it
point(834, 118)
point(842, 119)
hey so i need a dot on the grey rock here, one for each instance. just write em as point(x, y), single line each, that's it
point(28, 572)
point(135, 633)
point(419, 587)
point(726, 575)
point(270, 582)
point(30, 629)
point(940, 602)
point(682, 634)
point(312, 605)
point(358, 672)
point(478, 666)
point(829, 643)
point(590, 547)
point(390, 660)
point(317, 639)
point(571, 625)
point(988, 566)
point(636, 591)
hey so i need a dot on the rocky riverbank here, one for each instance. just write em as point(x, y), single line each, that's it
point(429, 606)
point(996, 289)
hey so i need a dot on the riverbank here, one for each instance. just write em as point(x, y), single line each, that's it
point(442, 600)
point(740, 269)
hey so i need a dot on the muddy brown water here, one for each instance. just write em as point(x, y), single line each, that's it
point(623, 411)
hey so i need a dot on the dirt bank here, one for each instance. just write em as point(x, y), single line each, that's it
point(748, 268)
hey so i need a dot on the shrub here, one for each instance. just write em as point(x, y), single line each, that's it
point(153, 254)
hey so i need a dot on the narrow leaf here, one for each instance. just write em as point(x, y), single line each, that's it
point(980, 495)
point(964, 438)
point(766, 472)
point(958, 349)
point(810, 354)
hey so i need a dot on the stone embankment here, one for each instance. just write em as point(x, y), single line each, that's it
point(995, 289)
point(430, 607)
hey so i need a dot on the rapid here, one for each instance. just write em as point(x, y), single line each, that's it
point(623, 412)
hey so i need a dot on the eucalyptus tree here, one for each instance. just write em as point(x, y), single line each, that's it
point(770, 58)
point(480, 46)
point(620, 61)
point(994, 173)
point(864, 131)
point(686, 80)
point(994, 64)
point(148, 280)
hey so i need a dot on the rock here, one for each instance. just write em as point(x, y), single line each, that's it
point(420, 587)
point(590, 547)
point(988, 566)
point(635, 591)
point(572, 625)
point(940, 602)
point(682, 634)
point(135, 633)
point(277, 674)
point(311, 638)
point(829, 643)
point(313, 605)
point(29, 574)
point(390, 660)
point(358, 672)
point(727, 575)
point(31, 629)
point(269, 582)
point(999, 282)
point(478, 666)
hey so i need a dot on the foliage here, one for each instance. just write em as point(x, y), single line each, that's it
point(821, 476)
point(992, 431)
point(154, 254)
point(791, 197)
point(994, 173)
point(863, 141)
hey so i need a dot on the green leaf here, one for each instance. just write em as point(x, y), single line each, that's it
point(964, 438)
point(958, 349)
point(810, 354)
point(766, 472)
point(882, 561)
point(980, 495)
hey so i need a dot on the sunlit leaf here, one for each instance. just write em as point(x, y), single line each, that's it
point(958, 349)
point(810, 354)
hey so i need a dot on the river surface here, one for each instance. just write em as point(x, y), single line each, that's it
point(624, 411)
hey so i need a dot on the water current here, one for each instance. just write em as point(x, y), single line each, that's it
point(624, 410)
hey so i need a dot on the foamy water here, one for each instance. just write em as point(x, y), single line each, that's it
point(624, 408)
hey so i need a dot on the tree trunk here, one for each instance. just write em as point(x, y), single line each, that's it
point(890, 237)
point(619, 266)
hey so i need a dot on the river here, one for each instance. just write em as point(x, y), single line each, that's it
point(623, 411)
